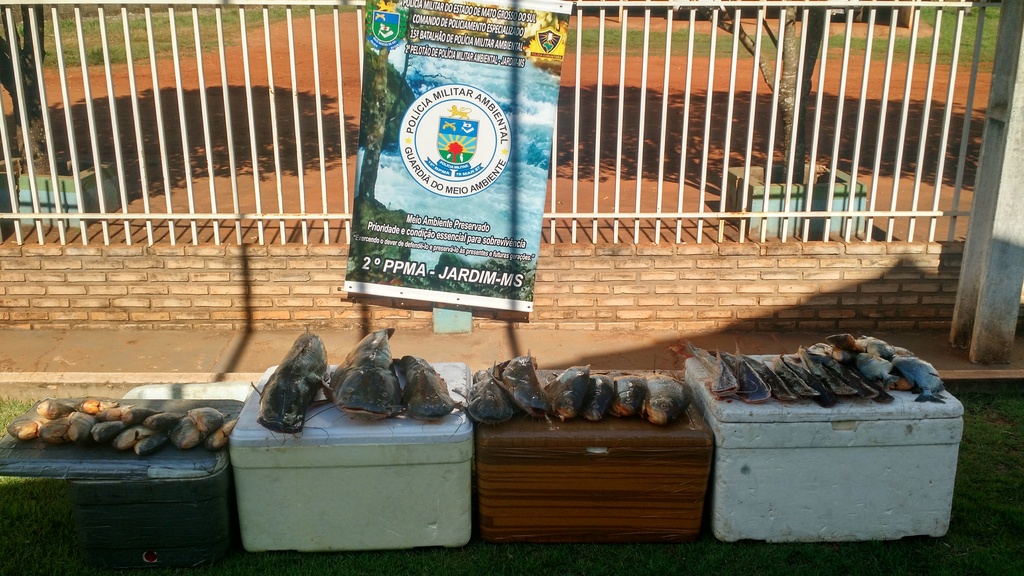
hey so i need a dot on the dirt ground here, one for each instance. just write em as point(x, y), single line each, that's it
point(307, 126)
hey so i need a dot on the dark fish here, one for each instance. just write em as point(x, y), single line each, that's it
point(825, 398)
point(777, 386)
point(131, 436)
point(53, 408)
point(186, 435)
point(793, 380)
point(816, 365)
point(630, 392)
point(133, 415)
point(426, 394)
point(293, 385)
point(163, 421)
point(206, 419)
point(112, 414)
point(373, 350)
point(666, 400)
point(719, 382)
point(753, 389)
point(519, 377)
point(368, 392)
point(599, 397)
point(150, 444)
point(80, 427)
point(922, 376)
point(55, 431)
point(851, 376)
point(103, 432)
point(566, 392)
point(94, 406)
point(489, 403)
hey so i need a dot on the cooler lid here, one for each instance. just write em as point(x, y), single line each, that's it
point(903, 406)
point(102, 462)
point(327, 425)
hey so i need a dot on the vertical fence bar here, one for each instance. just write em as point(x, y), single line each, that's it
point(642, 122)
point(729, 109)
point(229, 131)
point(851, 188)
point(183, 124)
point(140, 148)
point(772, 128)
point(597, 121)
point(319, 122)
point(160, 131)
point(296, 118)
point(205, 108)
point(116, 130)
point(21, 104)
point(901, 140)
point(811, 174)
point(684, 138)
point(751, 118)
point(791, 153)
point(576, 129)
point(254, 152)
point(341, 121)
point(861, 103)
point(880, 141)
point(69, 124)
point(925, 118)
point(708, 100)
point(662, 138)
point(946, 119)
point(965, 133)
point(47, 124)
point(624, 32)
point(90, 110)
point(273, 120)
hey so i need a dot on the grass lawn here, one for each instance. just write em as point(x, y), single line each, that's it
point(37, 533)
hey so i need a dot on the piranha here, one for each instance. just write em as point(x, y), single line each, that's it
point(293, 385)
point(566, 392)
point(599, 397)
point(666, 400)
point(520, 379)
point(630, 392)
point(489, 403)
point(921, 375)
point(426, 394)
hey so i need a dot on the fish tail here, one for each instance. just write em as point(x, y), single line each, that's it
point(929, 398)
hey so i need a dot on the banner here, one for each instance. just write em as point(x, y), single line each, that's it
point(455, 134)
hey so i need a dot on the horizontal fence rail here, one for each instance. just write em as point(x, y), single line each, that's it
point(237, 122)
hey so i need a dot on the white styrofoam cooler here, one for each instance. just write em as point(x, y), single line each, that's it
point(348, 484)
point(861, 470)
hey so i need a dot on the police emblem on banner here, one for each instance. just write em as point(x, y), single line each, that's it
point(549, 39)
point(455, 140)
point(386, 26)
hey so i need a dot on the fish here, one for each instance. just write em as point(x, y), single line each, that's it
point(111, 414)
point(219, 438)
point(852, 376)
point(53, 408)
point(876, 347)
point(368, 392)
point(130, 436)
point(293, 385)
point(489, 403)
point(206, 419)
point(630, 392)
point(666, 400)
point(132, 415)
point(163, 421)
point(816, 365)
point(844, 341)
point(103, 432)
point(775, 384)
point(921, 375)
point(55, 431)
point(186, 435)
point(793, 380)
point(825, 398)
point(426, 394)
point(94, 406)
point(26, 427)
point(373, 350)
point(566, 392)
point(719, 382)
point(753, 389)
point(150, 444)
point(80, 427)
point(520, 379)
point(599, 397)
point(875, 368)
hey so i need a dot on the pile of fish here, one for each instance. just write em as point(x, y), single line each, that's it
point(125, 427)
point(515, 386)
point(365, 385)
point(840, 366)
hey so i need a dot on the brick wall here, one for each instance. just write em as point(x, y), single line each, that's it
point(690, 288)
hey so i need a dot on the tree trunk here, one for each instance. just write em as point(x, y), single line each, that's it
point(26, 59)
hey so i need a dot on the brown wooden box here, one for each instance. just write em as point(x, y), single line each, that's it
point(616, 480)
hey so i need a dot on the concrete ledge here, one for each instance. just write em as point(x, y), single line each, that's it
point(38, 385)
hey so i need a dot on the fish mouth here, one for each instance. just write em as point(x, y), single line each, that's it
point(285, 426)
point(364, 414)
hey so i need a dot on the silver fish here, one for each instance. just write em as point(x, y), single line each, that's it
point(566, 391)
point(876, 368)
point(876, 347)
point(666, 400)
point(921, 375)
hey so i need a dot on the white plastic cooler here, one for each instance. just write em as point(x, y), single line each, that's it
point(861, 470)
point(348, 484)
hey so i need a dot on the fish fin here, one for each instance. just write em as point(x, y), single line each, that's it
point(929, 398)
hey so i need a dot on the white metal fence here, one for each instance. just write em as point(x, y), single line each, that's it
point(668, 119)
